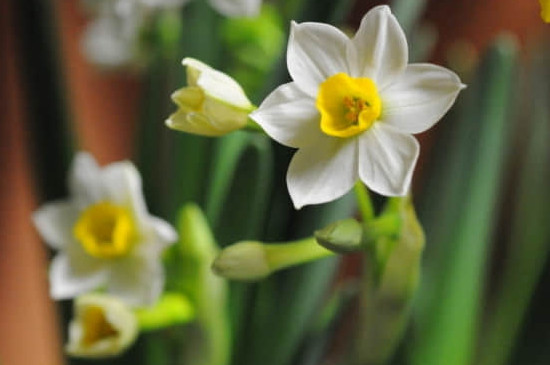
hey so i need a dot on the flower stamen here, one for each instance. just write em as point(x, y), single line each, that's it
point(348, 106)
point(105, 230)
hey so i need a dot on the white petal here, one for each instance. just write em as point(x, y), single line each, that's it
point(194, 69)
point(122, 186)
point(323, 171)
point(164, 232)
point(221, 87)
point(65, 283)
point(381, 47)
point(137, 280)
point(315, 52)
point(419, 97)
point(84, 180)
point(237, 8)
point(387, 159)
point(54, 221)
point(193, 122)
point(82, 263)
point(289, 116)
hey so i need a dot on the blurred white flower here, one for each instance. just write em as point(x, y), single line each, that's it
point(111, 39)
point(352, 107)
point(237, 8)
point(164, 4)
point(212, 104)
point(103, 326)
point(104, 235)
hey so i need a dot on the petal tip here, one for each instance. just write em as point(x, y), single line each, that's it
point(382, 8)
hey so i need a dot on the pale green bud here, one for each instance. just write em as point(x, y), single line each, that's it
point(342, 236)
point(242, 261)
point(212, 104)
point(103, 326)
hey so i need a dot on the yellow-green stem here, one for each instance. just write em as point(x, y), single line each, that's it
point(283, 255)
point(364, 202)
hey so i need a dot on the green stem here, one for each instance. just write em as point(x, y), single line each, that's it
point(383, 226)
point(283, 255)
point(364, 202)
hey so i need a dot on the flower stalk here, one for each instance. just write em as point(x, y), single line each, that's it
point(386, 296)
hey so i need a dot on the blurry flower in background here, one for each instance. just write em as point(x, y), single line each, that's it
point(352, 107)
point(212, 104)
point(237, 8)
point(104, 235)
point(545, 10)
point(103, 326)
point(109, 40)
point(112, 38)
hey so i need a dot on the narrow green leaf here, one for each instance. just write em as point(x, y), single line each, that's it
point(448, 329)
point(529, 236)
point(285, 304)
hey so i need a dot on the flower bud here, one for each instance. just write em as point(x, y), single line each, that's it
point(242, 261)
point(342, 236)
point(103, 327)
point(212, 104)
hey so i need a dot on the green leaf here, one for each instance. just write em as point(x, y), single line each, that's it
point(449, 303)
point(530, 232)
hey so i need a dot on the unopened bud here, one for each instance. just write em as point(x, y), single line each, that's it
point(212, 104)
point(242, 261)
point(342, 236)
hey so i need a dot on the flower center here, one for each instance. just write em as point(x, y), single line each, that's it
point(105, 230)
point(95, 326)
point(348, 105)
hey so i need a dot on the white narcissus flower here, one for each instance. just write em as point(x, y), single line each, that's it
point(352, 107)
point(103, 326)
point(104, 235)
point(212, 104)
